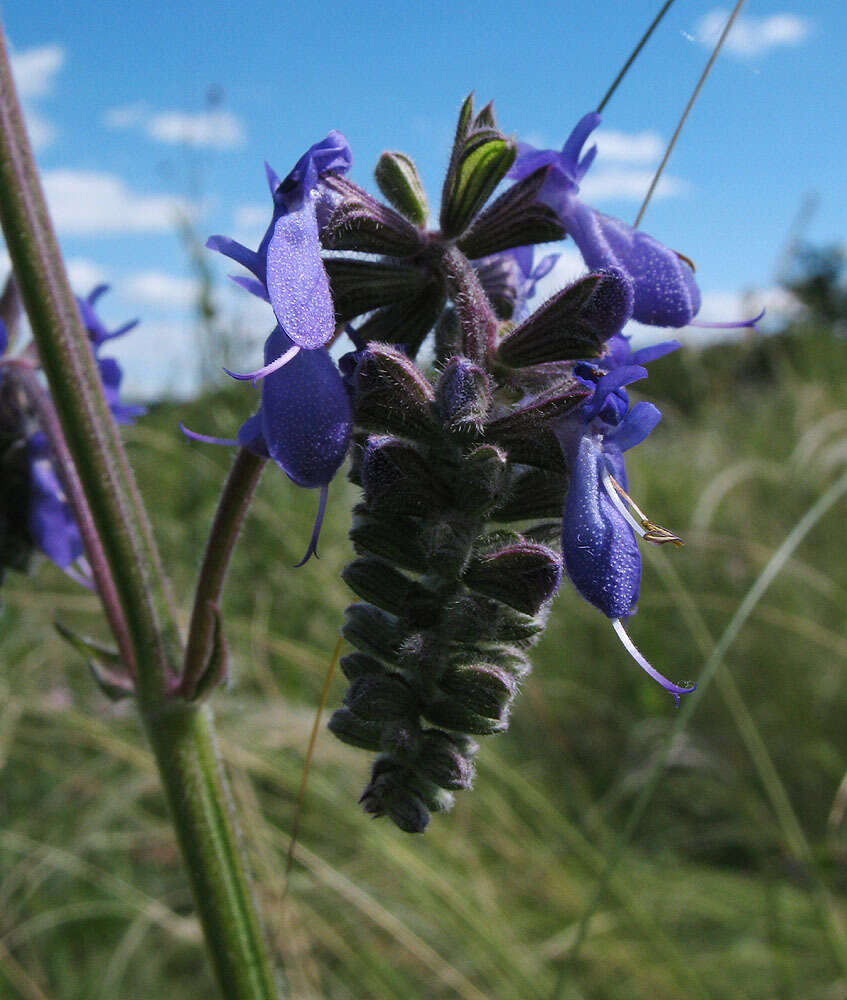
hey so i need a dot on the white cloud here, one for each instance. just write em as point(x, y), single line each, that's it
point(84, 274)
point(158, 359)
point(41, 132)
point(91, 203)
point(35, 71)
point(752, 36)
point(628, 184)
point(126, 115)
point(213, 129)
point(158, 288)
point(629, 147)
point(216, 129)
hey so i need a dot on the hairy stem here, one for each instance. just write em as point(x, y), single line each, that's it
point(183, 739)
point(66, 470)
point(181, 735)
point(232, 508)
point(90, 432)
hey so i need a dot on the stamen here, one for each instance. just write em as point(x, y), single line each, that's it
point(740, 325)
point(644, 527)
point(206, 439)
point(675, 690)
point(269, 369)
point(80, 573)
point(312, 550)
point(687, 260)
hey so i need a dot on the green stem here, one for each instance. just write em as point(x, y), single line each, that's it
point(232, 509)
point(181, 734)
point(183, 740)
point(75, 387)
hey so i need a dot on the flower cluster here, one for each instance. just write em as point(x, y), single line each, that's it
point(34, 510)
point(486, 479)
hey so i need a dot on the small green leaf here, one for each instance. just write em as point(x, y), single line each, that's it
point(216, 669)
point(479, 172)
point(104, 663)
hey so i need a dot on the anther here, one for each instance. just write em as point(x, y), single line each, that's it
point(644, 527)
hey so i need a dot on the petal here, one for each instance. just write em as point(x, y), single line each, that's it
point(569, 157)
point(297, 281)
point(599, 548)
point(51, 521)
point(306, 414)
point(634, 427)
point(654, 351)
point(666, 293)
point(544, 266)
point(611, 382)
point(529, 159)
point(239, 253)
point(273, 178)
point(252, 285)
point(330, 155)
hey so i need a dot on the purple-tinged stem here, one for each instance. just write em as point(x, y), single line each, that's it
point(69, 479)
point(233, 505)
point(181, 734)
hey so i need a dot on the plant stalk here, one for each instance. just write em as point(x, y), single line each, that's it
point(232, 509)
point(181, 735)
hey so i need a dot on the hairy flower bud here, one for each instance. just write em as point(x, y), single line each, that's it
point(463, 395)
point(391, 394)
point(398, 180)
point(524, 575)
point(397, 478)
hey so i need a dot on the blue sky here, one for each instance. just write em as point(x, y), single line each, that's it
point(140, 112)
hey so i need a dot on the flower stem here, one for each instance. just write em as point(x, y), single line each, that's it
point(232, 508)
point(66, 470)
point(181, 735)
point(75, 388)
point(183, 739)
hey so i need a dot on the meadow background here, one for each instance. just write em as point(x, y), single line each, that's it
point(732, 884)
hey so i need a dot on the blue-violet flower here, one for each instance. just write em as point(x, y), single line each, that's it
point(599, 545)
point(666, 293)
point(287, 266)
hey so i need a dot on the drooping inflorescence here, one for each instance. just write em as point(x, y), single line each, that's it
point(486, 473)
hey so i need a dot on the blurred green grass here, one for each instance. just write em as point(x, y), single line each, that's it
point(712, 898)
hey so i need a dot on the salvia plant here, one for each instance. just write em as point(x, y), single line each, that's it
point(485, 433)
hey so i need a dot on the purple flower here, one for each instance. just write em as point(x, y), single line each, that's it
point(599, 545)
point(51, 520)
point(304, 422)
point(666, 293)
point(110, 371)
point(509, 278)
point(96, 329)
point(287, 266)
